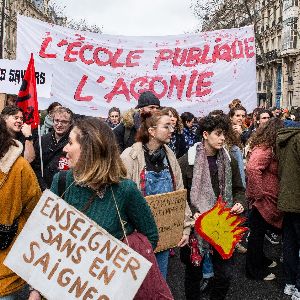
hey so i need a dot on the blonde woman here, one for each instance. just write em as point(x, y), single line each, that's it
point(97, 174)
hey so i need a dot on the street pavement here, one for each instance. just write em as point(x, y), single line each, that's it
point(241, 287)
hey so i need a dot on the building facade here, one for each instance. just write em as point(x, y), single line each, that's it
point(276, 22)
point(9, 9)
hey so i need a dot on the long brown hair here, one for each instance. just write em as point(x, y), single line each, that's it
point(148, 120)
point(99, 162)
point(266, 134)
point(232, 139)
point(6, 139)
point(179, 125)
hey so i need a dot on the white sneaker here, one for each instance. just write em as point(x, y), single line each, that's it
point(289, 289)
point(296, 295)
point(273, 264)
point(270, 277)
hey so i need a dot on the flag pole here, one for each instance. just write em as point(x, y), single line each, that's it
point(41, 152)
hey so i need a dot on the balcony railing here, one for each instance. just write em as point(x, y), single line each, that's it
point(270, 56)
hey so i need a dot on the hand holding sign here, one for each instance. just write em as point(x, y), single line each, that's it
point(65, 255)
point(220, 228)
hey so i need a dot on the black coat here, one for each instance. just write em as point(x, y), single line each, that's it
point(180, 147)
point(52, 153)
point(125, 136)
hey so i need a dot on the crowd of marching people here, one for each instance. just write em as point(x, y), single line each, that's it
point(106, 167)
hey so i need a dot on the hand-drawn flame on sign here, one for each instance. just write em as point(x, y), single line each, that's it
point(221, 228)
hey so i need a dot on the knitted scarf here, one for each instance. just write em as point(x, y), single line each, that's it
point(202, 194)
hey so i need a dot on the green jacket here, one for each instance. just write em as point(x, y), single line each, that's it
point(133, 207)
point(288, 152)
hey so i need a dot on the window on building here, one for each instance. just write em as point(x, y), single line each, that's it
point(289, 3)
point(273, 44)
point(279, 42)
point(290, 98)
point(290, 33)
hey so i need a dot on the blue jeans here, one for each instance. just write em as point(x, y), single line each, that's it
point(158, 183)
point(291, 247)
point(19, 295)
point(162, 261)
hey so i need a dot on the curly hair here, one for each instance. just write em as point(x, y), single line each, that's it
point(179, 125)
point(266, 135)
point(233, 109)
point(210, 124)
point(232, 139)
point(234, 103)
point(6, 139)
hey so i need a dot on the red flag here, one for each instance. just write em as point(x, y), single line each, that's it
point(27, 97)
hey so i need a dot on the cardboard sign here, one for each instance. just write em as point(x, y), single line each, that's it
point(94, 72)
point(221, 228)
point(12, 73)
point(168, 210)
point(65, 255)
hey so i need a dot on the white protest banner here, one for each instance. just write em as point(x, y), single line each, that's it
point(65, 255)
point(195, 72)
point(13, 71)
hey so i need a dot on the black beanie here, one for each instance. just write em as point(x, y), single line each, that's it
point(147, 98)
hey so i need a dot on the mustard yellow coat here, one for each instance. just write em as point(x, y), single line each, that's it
point(19, 193)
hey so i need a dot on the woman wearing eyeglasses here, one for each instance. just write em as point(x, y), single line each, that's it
point(153, 167)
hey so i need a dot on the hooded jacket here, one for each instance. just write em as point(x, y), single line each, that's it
point(126, 131)
point(19, 193)
point(288, 152)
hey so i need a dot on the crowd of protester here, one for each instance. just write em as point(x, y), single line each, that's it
point(251, 159)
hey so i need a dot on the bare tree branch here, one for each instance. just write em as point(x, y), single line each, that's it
point(224, 14)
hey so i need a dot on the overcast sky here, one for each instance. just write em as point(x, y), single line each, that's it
point(134, 17)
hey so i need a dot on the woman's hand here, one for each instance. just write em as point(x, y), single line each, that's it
point(34, 295)
point(237, 209)
point(184, 240)
point(237, 128)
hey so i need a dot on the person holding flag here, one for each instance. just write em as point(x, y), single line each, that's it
point(21, 120)
point(19, 193)
point(22, 132)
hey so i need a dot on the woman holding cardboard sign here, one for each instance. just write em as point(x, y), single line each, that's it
point(20, 191)
point(154, 168)
point(96, 185)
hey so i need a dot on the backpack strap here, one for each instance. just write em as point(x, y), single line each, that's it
point(62, 182)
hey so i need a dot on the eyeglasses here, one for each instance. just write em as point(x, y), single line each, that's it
point(17, 118)
point(168, 127)
point(63, 122)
